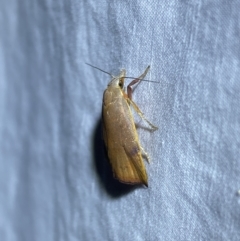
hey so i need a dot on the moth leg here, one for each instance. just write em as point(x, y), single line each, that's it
point(136, 108)
point(145, 155)
point(129, 88)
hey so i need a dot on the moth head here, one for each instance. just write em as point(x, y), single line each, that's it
point(118, 81)
point(121, 78)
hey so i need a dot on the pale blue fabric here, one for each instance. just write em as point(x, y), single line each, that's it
point(54, 181)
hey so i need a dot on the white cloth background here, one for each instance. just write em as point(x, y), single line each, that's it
point(54, 181)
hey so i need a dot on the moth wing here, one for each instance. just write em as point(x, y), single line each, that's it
point(122, 144)
point(129, 166)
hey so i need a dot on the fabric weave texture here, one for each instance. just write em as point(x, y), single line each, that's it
point(55, 181)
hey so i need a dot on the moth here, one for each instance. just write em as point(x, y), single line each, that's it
point(119, 131)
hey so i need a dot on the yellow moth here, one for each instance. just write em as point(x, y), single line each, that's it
point(119, 131)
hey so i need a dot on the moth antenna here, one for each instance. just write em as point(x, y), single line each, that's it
point(142, 79)
point(126, 77)
point(100, 69)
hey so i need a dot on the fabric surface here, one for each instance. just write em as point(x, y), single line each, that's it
point(55, 181)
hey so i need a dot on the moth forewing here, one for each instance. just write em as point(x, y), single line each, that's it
point(119, 132)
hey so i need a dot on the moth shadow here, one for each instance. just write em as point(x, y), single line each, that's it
point(103, 168)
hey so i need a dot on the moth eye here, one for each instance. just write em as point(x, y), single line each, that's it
point(120, 84)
